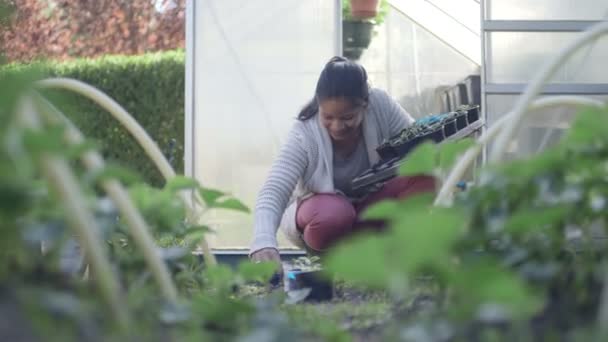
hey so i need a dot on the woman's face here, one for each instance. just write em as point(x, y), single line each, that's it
point(341, 118)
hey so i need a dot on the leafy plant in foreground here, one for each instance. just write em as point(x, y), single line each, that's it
point(521, 255)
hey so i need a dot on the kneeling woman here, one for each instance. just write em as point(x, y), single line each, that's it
point(308, 192)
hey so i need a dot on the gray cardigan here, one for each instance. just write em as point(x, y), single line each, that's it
point(304, 166)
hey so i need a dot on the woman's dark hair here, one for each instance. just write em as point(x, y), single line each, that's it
point(339, 78)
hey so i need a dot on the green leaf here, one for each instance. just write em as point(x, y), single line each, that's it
point(232, 204)
point(426, 237)
point(219, 200)
point(362, 260)
point(523, 170)
point(527, 219)
point(451, 150)
point(76, 151)
point(422, 160)
point(113, 172)
point(179, 183)
point(220, 277)
point(387, 209)
point(195, 234)
point(590, 125)
point(393, 209)
point(210, 196)
point(488, 283)
point(50, 140)
point(261, 272)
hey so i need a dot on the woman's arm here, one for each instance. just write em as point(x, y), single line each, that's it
point(289, 166)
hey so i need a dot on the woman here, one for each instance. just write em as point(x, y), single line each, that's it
point(333, 141)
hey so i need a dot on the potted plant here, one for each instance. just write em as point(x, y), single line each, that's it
point(358, 27)
point(364, 9)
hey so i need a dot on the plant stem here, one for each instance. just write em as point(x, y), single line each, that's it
point(138, 227)
point(137, 132)
point(80, 219)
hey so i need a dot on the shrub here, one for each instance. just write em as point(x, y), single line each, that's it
point(150, 87)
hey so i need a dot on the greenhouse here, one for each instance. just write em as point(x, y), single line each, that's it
point(304, 170)
point(432, 56)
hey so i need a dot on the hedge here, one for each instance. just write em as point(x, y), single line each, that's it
point(150, 87)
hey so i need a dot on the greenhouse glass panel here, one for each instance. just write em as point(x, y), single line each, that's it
point(548, 10)
point(517, 56)
point(413, 65)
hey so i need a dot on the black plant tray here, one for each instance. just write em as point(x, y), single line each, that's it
point(438, 128)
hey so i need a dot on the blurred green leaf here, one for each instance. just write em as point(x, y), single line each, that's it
point(590, 125)
point(47, 141)
point(260, 272)
point(362, 260)
point(77, 151)
point(393, 209)
point(422, 160)
point(219, 200)
point(450, 151)
point(383, 210)
point(210, 196)
point(179, 183)
point(113, 172)
point(526, 169)
point(231, 203)
point(220, 277)
point(426, 237)
point(194, 237)
point(527, 219)
point(489, 283)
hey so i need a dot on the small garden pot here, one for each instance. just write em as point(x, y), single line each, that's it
point(450, 128)
point(473, 114)
point(437, 135)
point(321, 288)
point(461, 120)
point(364, 9)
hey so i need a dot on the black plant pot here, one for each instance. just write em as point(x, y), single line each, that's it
point(356, 37)
point(461, 120)
point(450, 128)
point(473, 114)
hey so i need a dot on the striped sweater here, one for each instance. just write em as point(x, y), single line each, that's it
point(304, 165)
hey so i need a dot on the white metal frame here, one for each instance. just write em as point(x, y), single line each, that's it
point(189, 89)
point(489, 26)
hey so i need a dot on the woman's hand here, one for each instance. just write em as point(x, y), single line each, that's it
point(266, 254)
point(269, 254)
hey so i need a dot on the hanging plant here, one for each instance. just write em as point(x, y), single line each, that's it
point(364, 9)
point(357, 32)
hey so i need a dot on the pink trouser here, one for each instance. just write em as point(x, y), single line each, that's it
point(324, 219)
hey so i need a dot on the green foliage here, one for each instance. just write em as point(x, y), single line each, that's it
point(50, 296)
point(6, 9)
point(377, 20)
point(430, 158)
point(520, 248)
point(150, 87)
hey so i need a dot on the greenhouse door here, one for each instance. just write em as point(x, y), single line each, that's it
point(251, 65)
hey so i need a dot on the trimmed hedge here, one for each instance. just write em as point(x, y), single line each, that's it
point(150, 87)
